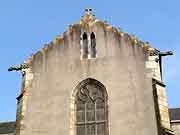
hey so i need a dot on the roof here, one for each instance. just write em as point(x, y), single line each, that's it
point(174, 114)
point(7, 127)
point(86, 23)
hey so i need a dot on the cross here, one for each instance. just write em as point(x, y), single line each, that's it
point(88, 11)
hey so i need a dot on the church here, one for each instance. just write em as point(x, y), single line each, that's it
point(94, 79)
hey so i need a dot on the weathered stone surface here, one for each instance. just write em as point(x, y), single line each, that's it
point(176, 127)
point(57, 69)
point(119, 65)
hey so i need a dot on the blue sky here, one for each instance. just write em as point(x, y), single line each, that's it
point(25, 26)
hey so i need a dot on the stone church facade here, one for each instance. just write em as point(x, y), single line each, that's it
point(93, 80)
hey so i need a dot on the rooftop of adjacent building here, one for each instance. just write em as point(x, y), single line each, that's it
point(174, 114)
point(7, 127)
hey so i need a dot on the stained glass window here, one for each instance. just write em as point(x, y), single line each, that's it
point(91, 110)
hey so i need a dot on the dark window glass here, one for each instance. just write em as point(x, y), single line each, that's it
point(93, 45)
point(80, 130)
point(100, 129)
point(90, 129)
point(100, 110)
point(85, 46)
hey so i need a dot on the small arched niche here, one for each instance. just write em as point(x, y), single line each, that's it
point(93, 45)
point(84, 47)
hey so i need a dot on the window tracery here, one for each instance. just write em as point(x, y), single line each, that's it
point(91, 111)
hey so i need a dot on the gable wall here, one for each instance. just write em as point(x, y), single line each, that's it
point(119, 66)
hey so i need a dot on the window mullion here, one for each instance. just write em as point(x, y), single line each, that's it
point(85, 123)
point(106, 118)
point(95, 118)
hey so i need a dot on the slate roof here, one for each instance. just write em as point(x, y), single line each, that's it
point(174, 113)
point(7, 127)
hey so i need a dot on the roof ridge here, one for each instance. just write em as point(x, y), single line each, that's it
point(1, 122)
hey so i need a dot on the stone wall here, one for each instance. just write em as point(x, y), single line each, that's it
point(176, 127)
point(120, 66)
point(153, 65)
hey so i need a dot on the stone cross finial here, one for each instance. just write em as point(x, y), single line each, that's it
point(88, 11)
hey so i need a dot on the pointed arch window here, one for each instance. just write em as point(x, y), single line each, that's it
point(85, 46)
point(93, 45)
point(91, 110)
